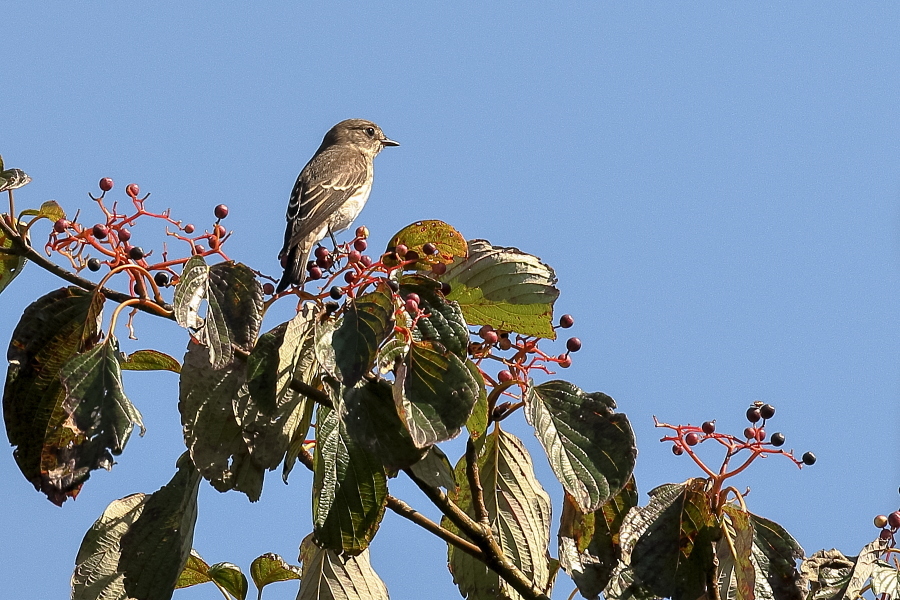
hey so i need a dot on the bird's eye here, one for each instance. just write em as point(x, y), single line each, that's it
point(370, 131)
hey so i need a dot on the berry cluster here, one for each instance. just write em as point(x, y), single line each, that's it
point(112, 240)
point(888, 525)
point(686, 437)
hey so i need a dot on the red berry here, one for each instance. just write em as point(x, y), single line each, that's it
point(573, 344)
point(401, 249)
point(366, 260)
point(438, 268)
point(809, 459)
point(221, 211)
point(362, 231)
point(106, 184)
point(100, 231)
point(325, 263)
point(315, 272)
point(692, 439)
point(750, 433)
point(429, 248)
point(61, 225)
point(677, 450)
point(411, 255)
point(565, 361)
point(321, 252)
point(767, 411)
point(199, 249)
point(219, 231)
point(491, 337)
point(361, 245)
point(189, 229)
point(414, 297)
point(894, 519)
point(412, 305)
point(708, 427)
point(566, 321)
point(349, 276)
point(753, 414)
point(484, 329)
point(124, 234)
point(505, 344)
point(354, 256)
point(504, 376)
point(760, 434)
point(268, 288)
point(886, 534)
point(133, 190)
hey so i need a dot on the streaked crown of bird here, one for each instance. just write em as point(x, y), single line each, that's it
point(330, 192)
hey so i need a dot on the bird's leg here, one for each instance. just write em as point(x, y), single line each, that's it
point(333, 241)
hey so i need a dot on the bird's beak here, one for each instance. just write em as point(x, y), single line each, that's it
point(389, 142)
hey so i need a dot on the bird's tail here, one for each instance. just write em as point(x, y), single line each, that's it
point(294, 267)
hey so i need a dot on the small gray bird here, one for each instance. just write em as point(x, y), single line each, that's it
point(330, 192)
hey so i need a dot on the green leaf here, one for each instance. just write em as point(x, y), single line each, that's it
point(886, 580)
point(435, 392)
point(271, 568)
point(519, 514)
point(12, 179)
point(328, 575)
point(51, 451)
point(324, 349)
point(477, 423)
point(735, 551)
point(96, 400)
point(270, 412)
point(140, 545)
point(211, 429)
point(393, 351)
point(367, 323)
point(591, 449)
point(10, 264)
point(668, 543)
point(230, 578)
point(443, 321)
point(49, 210)
point(623, 585)
point(589, 543)
point(505, 288)
point(371, 418)
point(195, 572)
point(239, 299)
point(157, 546)
point(449, 242)
point(149, 360)
point(776, 553)
point(435, 469)
point(349, 488)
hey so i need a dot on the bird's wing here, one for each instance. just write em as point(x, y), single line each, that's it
point(328, 181)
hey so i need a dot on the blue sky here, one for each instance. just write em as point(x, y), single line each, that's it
point(716, 187)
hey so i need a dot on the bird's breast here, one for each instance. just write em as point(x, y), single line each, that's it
point(348, 212)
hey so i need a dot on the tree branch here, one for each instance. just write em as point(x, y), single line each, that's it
point(481, 512)
point(21, 248)
point(315, 393)
point(494, 557)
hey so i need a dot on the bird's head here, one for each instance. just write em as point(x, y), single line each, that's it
point(365, 135)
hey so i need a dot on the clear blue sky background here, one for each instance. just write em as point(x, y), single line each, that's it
point(716, 187)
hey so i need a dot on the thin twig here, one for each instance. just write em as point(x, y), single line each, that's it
point(481, 512)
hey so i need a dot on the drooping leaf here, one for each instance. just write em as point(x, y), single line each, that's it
point(239, 299)
point(149, 360)
point(623, 585)
point(367, 323)
point(141, 543)
point(371, 418)
point(10, 264)
point(886, 580)
point(505, 288)
point(450, 243)
point(192, 288)
point(271, 568)
point(324, 349)
point(211, 430)
point(270, 411)
point(391, 353)
point(329, 576)
point(435, 392)
point(519, 514)
point(477, 423)
point(828, 572)
point(12, 179)
point(230, 578)
point(591, 448)
point(735, 552)
point(195, 572)
point(775, 554)
point(589, 543)
point(443, 321)
point(157, 546)
point(96, 400)
point(668, 543)
point(349, 488)
point(435, 469)
point(51, 451)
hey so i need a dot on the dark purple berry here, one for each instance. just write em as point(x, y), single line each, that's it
point(100, 231)
point(777, 439)
point(750, 433)
point(753, 414)
point(93, 264)
point(438, 268)
point(162, 278)
point(677, 450)
point(315, 272)
point(894, 519)
point(124, 234)
point(61, 225)
point(268, 288)
point(335, 293)
point(505, 375)
point(395, 287)
point(401, 250)
point(566, 321)
point(692, 439)
point(445, 288)
point(490, 337)
point(573, 344)
point(809, 459)
point(411, 255)
point(708, 427)
point(350, 276)
point(221, 211)
point(429, 248)
point(767, 411)
point(321, 252)
point(136, 253)
point(360, 245)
